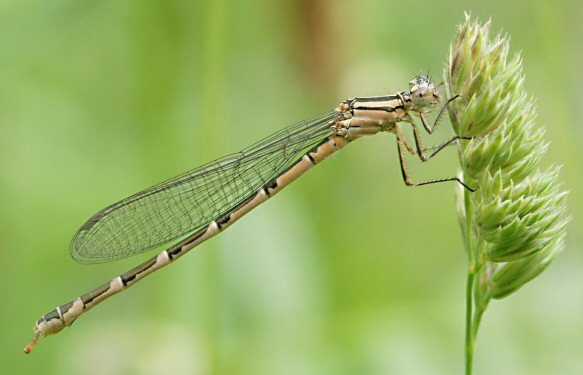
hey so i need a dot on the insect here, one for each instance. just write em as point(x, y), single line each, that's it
point(195, 206)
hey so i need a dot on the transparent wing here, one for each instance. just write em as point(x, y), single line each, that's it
point(189, 202)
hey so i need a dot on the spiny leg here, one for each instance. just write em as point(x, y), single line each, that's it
point(417, 134)
point(403, 139)
point(445, 180)
point(401, 153)
point(419, 144)
point(440, 147)
point(417, 137)
point(407, 179)
point(425, 122)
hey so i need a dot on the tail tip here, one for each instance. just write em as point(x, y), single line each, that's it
point(31, 344)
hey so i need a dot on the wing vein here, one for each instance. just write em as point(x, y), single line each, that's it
point(188, 202)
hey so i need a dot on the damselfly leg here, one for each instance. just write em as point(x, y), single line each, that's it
point(420, 150)
point(401, 142)
point(424, 120)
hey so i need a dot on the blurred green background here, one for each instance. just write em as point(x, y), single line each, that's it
point(345, 272)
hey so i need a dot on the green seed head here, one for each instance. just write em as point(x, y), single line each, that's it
point(518, 214)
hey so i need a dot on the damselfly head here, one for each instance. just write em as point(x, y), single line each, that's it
point(423, 92)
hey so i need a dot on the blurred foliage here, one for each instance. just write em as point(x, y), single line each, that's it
point(347, 271)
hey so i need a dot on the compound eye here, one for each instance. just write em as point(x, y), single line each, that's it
point(419, 92)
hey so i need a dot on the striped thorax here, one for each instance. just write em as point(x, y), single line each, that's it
point(370, 115)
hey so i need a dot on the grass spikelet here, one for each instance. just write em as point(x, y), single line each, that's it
point(514, 224)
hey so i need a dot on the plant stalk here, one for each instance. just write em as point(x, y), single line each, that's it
point(470, 336)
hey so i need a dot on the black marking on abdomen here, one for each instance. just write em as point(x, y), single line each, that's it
point(223, 220)
point(323, 142)
point(226, 218)
point(272, 185)
point(53, 315)
point(177, 249)
point(315, 149)
point(131, 274)
point(90, 297)
point(64, 308)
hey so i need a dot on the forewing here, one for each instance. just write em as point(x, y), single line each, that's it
point(189, 202)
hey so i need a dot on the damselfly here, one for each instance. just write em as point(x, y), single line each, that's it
point(195, 206)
